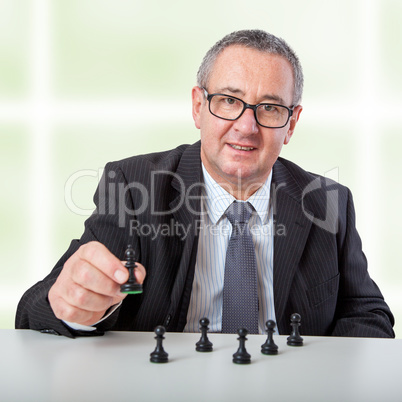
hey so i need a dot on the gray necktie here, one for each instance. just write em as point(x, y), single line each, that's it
point(240, 297)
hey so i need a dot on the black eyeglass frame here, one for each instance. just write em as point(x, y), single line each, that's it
point(248, 106)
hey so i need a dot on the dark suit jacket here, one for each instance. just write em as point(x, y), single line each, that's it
point(320, 270)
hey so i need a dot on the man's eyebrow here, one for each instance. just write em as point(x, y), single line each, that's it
point(230, 89)
point(273, 98)
point(238, 92)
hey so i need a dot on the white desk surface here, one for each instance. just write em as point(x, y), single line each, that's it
point(116, 367)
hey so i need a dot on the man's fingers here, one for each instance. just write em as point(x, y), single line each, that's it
point(67, 312)
point(100, 257)
point(83, 298)
point(91, 278)
point(89, 284)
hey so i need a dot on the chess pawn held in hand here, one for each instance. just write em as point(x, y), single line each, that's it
point(131, 286)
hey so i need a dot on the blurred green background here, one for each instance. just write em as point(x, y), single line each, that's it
point(81, 80)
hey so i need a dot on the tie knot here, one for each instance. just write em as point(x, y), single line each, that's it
point(239, 212)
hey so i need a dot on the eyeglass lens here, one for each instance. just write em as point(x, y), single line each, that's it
point(230, 108)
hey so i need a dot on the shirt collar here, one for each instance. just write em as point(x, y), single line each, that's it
point(217, 200)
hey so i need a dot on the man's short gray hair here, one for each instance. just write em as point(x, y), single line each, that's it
point(259, 40)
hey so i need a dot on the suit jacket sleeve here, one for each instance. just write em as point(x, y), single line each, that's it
point(361, 310)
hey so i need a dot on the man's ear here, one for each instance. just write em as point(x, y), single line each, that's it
point(293, 120)
point(197, 96)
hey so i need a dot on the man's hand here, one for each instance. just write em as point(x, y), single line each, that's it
point(89, 284)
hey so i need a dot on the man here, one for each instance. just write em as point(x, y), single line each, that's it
point(172, 207)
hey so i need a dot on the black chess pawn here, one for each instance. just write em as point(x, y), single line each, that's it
point(241, 356)
point(131, 286)
point(269, 347)
point(295, 339)
point(159, 355)
point(204, 344)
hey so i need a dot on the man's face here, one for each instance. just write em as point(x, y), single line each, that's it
point(254, 77)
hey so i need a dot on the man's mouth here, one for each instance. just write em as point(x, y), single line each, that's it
point(240, 148)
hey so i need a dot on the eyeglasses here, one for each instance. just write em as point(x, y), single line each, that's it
point(268, 115)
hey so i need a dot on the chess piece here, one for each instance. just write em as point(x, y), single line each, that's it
point(159, 355)
point(131, 286)
point(295, 339)
point(269, 347)
point(204, 344)
point(241, 356)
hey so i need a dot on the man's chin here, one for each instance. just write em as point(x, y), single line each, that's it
point(243, 176)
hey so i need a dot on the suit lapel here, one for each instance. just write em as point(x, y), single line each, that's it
point(291, 231)
point(186, 208)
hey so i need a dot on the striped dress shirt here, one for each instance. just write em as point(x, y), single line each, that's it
point(215, 231)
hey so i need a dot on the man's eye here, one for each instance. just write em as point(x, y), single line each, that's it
point(269, 108)
point(230, 101)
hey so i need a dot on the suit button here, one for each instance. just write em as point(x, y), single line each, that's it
point(167, 321)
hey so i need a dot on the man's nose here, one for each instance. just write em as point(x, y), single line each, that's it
point(246, 123)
